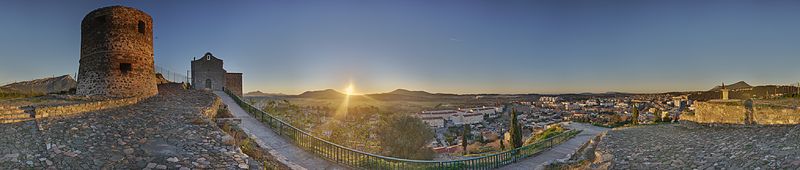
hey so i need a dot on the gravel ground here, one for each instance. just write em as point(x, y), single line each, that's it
point(672, 146)
point(163, 132)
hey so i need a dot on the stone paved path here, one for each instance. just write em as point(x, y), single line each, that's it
point(561, 151)
point(281, 147)
point(672, 146)
point(166, 131)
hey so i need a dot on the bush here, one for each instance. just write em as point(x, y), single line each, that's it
point(547, 133)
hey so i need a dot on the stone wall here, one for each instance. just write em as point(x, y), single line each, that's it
point(117, 54)
point(233, 82)
point(211, 111)
point(776, 115)
point(67, 110)
point(13, 115)
point(735, 112)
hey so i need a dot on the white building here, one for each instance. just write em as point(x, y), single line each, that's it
point(438, 118)
point(483, 110)
point(435, 122)
point(467, 118)
point(549, 99)
point(444, 114)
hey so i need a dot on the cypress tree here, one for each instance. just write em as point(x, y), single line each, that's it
point(515, 131)
point(635, 115)
point(502, 144)
point(464, 138)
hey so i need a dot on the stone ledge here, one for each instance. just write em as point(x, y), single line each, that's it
point(41, 112)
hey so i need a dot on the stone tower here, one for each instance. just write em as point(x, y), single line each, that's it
point(117, 53)
point(725, 92)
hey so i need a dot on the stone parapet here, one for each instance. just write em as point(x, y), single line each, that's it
point(737, 112)
point(67, 110)
point(211, 110)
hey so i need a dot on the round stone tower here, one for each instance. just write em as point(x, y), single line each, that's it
point(117, 53)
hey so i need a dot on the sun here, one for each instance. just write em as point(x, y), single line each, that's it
point(350, 90)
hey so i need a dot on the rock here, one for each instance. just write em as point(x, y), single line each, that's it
point(151, 165)
point(161, 167)
point(173, 159)
point(128, 151)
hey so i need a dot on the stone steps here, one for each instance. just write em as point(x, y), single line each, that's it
point(3, 120)
point(11, 111)
point(13, 115)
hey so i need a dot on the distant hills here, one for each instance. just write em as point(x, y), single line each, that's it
point(739, 90)
point(742, 90)
point(734, 86)
point(259, 93)
point(58, 84)
point(399, 94)
point(322, 94)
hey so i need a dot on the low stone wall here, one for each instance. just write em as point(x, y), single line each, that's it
point(211, 111)
point(732, 112)
point(776, 115)
point(13, 115)
point(67, 110)
point(735, 112)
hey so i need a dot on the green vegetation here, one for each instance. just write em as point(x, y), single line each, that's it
point(515, 130)
point(4, 95)
point(547, 133)
point(405, 137)
point(502, 144)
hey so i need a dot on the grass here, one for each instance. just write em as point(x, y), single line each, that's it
point(547, 133)
point(4, 95)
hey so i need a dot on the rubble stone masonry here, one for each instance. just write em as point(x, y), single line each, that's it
point(117, 53)
point(735, 112)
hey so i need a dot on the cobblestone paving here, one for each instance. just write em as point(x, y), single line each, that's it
point(672, 146)
point(163, 132)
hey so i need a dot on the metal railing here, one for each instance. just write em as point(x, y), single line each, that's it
point(362, 160)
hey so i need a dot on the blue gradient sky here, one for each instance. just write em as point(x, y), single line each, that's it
point(440, 46)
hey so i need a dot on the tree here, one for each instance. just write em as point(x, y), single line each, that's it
point(657, 116)
point(502, 144)
point(404, 136)
point(464, 136)
point(635, 115)
point(515, 130)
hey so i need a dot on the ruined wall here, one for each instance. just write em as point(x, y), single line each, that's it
point(736, 113)
point(776, 115)
point(233, 82)
point(211, 110)
point(116, 53)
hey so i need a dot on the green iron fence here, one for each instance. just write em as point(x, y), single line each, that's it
point(362, 160)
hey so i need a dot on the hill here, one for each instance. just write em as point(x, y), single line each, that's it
point(58, 84)
point(259, 93)
point(322, 94)
point(734, 86)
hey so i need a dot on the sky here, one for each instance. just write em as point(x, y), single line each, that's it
point(464, 46)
